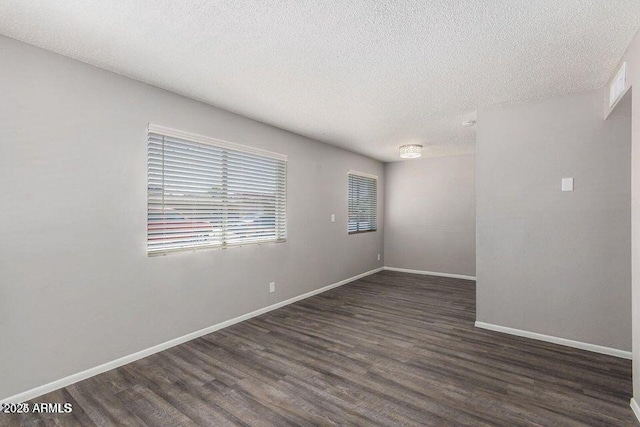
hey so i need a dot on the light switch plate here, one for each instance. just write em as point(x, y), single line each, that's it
point(333, 217)
point(567, 184)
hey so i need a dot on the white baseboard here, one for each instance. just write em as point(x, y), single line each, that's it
point(635, 408)
point(64, 382)
point(556, 340)
point(431, 273)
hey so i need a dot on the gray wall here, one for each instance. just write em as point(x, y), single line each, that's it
point(632, 58)
point(76, 286)
point(552, 262)
point(430, 215)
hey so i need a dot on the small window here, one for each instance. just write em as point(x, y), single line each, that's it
point(363, 202)
point(205, 193)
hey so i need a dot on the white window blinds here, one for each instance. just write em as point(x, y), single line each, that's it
point(206, 193)
point(363, 202)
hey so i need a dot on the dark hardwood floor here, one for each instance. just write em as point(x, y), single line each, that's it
point(389, 349)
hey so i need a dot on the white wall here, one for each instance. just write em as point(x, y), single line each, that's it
point(552, 262)
point(76, 286)
point(430, 215)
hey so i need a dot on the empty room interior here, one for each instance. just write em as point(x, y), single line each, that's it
point(277, 213)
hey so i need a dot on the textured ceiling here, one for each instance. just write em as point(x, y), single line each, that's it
point(365, 75)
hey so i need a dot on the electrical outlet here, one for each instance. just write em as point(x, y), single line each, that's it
point(272, 287)
point(333, 217)
point(378, 257)
point(567, 184)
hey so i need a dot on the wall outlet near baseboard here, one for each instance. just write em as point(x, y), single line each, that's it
point(378, 257)
point(272, 287)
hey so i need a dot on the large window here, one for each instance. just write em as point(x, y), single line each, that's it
point(205, 193)
point(363, 202)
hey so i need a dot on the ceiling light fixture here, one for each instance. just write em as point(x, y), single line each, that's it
point(411, 151)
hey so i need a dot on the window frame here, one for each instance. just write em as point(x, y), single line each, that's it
point(362, 175)
point(188, 137)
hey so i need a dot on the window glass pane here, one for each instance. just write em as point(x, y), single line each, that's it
point(202, 195)
point(362, 203)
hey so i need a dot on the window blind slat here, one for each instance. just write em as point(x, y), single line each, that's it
point(201, 195)
point(208, 156)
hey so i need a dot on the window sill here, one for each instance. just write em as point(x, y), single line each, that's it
point(208, 247)
point(361, 232)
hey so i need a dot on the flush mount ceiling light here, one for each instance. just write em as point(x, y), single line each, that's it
point(411, 151)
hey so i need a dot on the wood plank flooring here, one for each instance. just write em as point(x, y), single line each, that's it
point(389, 349)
